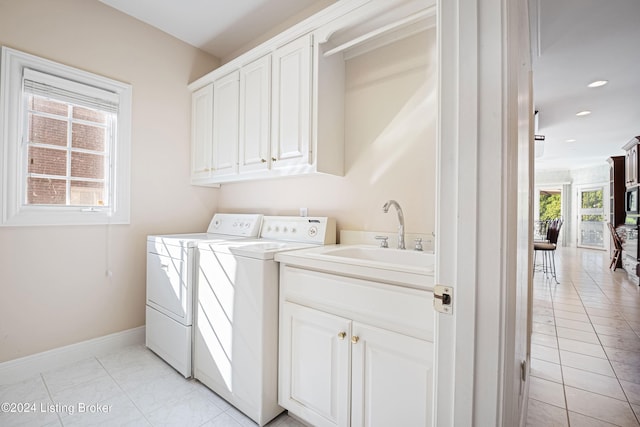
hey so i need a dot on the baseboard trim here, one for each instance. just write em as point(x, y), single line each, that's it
point(17, 370)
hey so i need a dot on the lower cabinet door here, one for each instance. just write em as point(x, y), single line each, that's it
point(392, 379)
point(314, 365)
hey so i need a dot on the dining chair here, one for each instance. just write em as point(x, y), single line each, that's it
point(548, 248)
point(617, 247)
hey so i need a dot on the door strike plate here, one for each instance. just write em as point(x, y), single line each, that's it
point(443, 299)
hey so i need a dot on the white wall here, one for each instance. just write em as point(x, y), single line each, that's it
point(390, 139)
point(53, 288)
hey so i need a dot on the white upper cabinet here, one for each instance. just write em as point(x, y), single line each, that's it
point(226, 100)
point(255, 116)
point(291, 136)
point(267, 121)
point(201, 134)
point(278, 109)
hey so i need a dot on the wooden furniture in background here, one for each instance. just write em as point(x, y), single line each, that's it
point(617, 187)
point(631, 162)
point(616, 249)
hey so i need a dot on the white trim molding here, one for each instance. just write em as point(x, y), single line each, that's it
point(17, 370)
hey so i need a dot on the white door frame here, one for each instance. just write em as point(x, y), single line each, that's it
point(606, 237)
point(481, 45)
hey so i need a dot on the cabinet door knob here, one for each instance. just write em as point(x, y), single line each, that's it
point(355, 339)
point(273, 159)
point(263, 160)
point(341, 335)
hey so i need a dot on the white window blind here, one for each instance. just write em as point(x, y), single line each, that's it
point(49, 86)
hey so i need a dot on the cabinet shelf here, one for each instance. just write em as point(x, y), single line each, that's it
point(387, 34)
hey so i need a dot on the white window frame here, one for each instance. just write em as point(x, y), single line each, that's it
point(15, 212)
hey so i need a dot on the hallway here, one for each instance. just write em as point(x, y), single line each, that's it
point(585, 344)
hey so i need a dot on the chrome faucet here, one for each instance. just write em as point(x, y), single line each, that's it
point(385, 209)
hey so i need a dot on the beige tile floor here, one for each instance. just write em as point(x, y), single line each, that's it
point(132, 387)
point(585, 346)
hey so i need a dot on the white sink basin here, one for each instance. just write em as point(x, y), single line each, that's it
point(407, 258)
point(402, 267)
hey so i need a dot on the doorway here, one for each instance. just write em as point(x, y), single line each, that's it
point(591, 218)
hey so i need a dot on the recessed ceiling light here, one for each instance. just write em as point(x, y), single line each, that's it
point(569, 140)
point(583, 113)
point(598, 83)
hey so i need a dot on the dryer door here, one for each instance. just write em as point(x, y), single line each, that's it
point(168, 287)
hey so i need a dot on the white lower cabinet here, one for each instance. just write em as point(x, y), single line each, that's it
point(391, 378)
point(337, 370)
point(314, 365)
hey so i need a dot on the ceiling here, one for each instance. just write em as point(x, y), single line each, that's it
point(574, 41)
point(578, 42)
point(219, 27)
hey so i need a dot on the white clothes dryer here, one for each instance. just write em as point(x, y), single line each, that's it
point(171, 275)
point(236, 325)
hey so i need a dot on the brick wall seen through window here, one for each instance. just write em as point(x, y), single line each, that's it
point(67, 154)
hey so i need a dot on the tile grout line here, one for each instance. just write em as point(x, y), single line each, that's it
point(124, 392)
point(564, 389)
point(46, 386)
point(602, 345)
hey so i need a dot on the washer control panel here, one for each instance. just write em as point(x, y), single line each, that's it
point(247, 225)
point(319, 230)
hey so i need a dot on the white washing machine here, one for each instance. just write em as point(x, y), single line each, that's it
point(236, 325)
point(171, 275)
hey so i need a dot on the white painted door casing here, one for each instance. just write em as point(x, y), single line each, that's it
point(479, 54)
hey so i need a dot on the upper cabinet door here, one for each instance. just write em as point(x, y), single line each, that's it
point(291, 110)
point(201, 132)
point(225, 124)
point(255, 115)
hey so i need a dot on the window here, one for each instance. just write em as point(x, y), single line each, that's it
point(65, 139)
